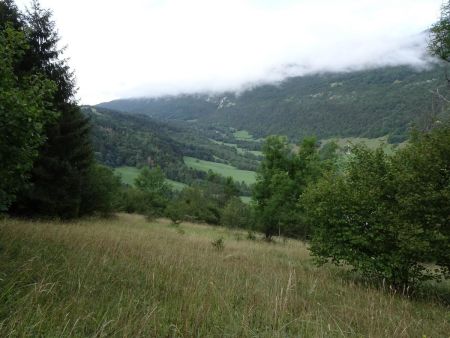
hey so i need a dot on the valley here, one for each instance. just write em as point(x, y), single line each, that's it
point(242, 169)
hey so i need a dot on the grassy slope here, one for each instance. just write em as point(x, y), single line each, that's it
point(248, 177)
point(243, 135)
point(129, 174)
point(372, 143)
point(126, 277)
point(241, 151)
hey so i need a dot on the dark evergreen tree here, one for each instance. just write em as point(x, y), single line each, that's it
point(64, 161)
point(10, 15)
point(23, 114)
point(61, 170)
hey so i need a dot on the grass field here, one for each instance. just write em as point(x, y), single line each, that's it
point(129, 174)
point(372, 143)
point(126, 277)
point(244, 135)
point(246, 199)
point(226, 170)
point(239, 150)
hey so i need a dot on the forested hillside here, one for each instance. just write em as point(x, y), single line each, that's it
point(123, 140)
point(369, 103)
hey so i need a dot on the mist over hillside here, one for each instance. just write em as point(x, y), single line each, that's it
point(366, 103)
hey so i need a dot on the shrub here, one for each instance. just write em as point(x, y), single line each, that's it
point(218, 244)
point(385, 215)
point(236, 214)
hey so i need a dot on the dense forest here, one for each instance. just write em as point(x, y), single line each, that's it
point(136, 140)
point(368, 103)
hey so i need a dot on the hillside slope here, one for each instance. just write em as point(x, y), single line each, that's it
point(369, 103)
point(126, 277)
point(132, 140)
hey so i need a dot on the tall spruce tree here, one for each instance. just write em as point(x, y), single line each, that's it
point(64, 160)
point(10, 15)
point(23, 108)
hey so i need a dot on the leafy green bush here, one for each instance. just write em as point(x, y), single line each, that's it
point(100, 191)
point(237, 214)
point(193, 204)
point(388, 217)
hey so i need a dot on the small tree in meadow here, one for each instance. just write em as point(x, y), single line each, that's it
point(236, 214)
point(152, 184)
point(281, 180)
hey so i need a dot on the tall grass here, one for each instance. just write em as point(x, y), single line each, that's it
point(127, 277)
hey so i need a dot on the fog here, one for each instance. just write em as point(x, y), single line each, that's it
point(167, 47)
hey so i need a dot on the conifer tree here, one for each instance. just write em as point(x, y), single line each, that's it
point(23, 114)
point(64, 161)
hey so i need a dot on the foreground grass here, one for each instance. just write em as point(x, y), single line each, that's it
point(128, 277)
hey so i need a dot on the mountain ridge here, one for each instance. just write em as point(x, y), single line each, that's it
point(368, 103)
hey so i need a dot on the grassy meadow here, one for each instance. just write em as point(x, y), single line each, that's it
point(128, 277)
point(239, 150)
point(226, 170)
point(371, 143)
point(129, 174)
point(244, 135)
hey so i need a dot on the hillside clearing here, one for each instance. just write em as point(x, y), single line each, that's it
point(129, 174)
point(371, 143)
point(249, 177)
point(128, 277)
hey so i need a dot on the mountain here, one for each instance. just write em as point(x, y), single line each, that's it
point(121, 139)
point(369, 103)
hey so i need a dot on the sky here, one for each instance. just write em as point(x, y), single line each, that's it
point(149, 48)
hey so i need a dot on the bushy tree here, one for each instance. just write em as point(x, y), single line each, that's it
point(439, 43)
point(100, 193)
point(132, 200)
point(193, 204)
point(154, 188)
point(281, 180)
point(237, 214)
point(388, 217)
point(422, 173)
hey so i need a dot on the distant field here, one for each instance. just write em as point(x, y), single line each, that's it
point(372, 143)
point(129, 174)
point(246, 199)
point(244, 135)
point(241, 151)
point(127, 277)
point(226, 170)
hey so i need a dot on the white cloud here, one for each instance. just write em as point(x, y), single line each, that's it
point(156, 47)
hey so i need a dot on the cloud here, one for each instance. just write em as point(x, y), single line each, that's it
point(159, 47)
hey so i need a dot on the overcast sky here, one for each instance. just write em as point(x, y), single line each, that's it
point(140, 48)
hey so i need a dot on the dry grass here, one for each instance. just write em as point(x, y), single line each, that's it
point(128, 277)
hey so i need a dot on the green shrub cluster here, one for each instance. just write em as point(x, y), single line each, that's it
point(387, 216)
